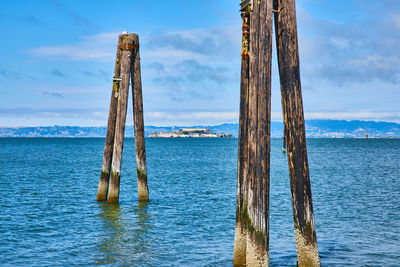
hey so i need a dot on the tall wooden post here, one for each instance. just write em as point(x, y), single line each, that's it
point(112, 116)
point(239, 253)
point(143, 190)
point(257, 248)
point(127, 46)
point(293, 117)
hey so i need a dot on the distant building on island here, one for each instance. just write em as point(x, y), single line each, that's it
point(190, 133)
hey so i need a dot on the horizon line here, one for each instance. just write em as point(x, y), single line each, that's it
point(194, 125)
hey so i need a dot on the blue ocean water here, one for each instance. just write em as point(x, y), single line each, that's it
point(49, 216)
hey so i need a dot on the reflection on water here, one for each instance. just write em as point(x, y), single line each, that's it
point(125, 236)
point(142, 218)
point(111, 241)
point(139, 234)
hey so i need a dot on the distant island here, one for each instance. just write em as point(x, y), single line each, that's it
point(190, 133)
point(314, 129)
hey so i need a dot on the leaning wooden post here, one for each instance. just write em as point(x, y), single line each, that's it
point(127, 47)
point(239, 252)
point(112, 116)
point(143, 190)
point(257, 248)
point(293, 117)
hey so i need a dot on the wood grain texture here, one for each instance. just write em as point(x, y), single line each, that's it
point(239, 253)
point(126, 62)
point(264, 116)
point(141, 166)
point(259, 134)
point(293, 116)
point(102, 190)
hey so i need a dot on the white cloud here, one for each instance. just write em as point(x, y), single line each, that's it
point(18, 117)
point(357, 115)
point(168, 47)
point(214, 118)
point(190, 118)
point(100, 47)
point(396, 20)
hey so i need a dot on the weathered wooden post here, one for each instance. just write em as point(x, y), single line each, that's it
point(255, 209)
point(127, 46)
point(293, 117)
point(112, 116)
point(239, 253)
point(143, 190)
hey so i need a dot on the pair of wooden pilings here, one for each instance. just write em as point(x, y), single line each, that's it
point(127, 65)
point(252, 212)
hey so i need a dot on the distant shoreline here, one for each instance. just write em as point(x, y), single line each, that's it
point(314, 129)
point(233, 137)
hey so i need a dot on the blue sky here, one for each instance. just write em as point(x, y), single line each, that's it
point(57, 60)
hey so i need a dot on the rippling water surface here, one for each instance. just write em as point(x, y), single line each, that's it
point(48, 212)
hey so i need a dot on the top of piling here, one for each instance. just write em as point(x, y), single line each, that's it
point(128, 41)
point(245, 3)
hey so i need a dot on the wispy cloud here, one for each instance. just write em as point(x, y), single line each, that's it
point(216, 45)
point(30, 19)
point(100, 74)
point(189, 118)
point(190, 71)
point(30, 112)
point(57, 73)
point(181, 65)
point(7, 73)
point(190, 79)
point(355, 115)
point(360, 50)
point(221, 42)
point(78, 19)
point(16, 75)
point(53, 94)
point(192, 64)
point(212, 118)
point(97, 47)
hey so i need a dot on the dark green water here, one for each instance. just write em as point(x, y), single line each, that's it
point(49, 216)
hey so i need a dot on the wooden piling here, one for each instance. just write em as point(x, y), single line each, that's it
point(127, 46)
point(264, 120)
point(239, 252)
point(143, 190)
point(112, 116)
point(283, 143)
point(293, 116)
point(257, 248)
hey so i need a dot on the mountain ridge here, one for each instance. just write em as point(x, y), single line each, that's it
point(314, 129)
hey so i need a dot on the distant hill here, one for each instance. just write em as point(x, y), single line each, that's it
point(314, 128)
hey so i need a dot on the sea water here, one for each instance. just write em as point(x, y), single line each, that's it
point(49, 214)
